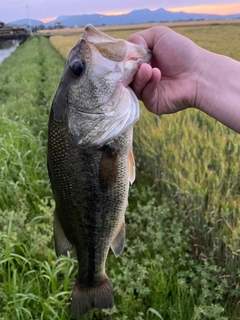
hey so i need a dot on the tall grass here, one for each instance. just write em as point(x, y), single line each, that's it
point(25, 97)
point(181, 260)
point(28, 271)
point(192, 160)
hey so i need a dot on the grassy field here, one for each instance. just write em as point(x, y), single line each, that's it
point(181, 260)
point(217, 38)
point(136, 27)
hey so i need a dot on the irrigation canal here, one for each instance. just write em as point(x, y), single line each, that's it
point(6, 48)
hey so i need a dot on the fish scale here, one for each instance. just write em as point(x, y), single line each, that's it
point(78, 192)
point(90, 159)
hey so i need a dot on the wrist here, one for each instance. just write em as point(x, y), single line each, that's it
point(218, 89)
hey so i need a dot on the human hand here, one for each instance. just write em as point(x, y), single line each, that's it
point(169, 84)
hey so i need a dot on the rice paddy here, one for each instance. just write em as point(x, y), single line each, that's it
point(182, 255)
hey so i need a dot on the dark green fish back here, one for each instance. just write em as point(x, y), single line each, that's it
point(90, 187)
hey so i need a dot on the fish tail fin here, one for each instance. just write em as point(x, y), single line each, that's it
point(84, 299)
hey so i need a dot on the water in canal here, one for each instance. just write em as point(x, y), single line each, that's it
point(6, 48)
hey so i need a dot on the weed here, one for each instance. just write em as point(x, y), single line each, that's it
point(181, 260)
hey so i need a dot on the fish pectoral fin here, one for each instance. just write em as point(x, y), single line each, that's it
point(131, 167)
point(62, 245)
point(119, 241)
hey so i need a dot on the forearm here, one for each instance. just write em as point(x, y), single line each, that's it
point(218, 92)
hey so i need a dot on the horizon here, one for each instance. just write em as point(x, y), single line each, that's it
point(208, 8)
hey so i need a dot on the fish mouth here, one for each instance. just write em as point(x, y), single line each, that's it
point(92, 34)
point(130, 56)
point(111, 66)
point(115, 48)
point(148, 56)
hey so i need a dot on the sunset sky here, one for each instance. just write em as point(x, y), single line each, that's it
point(11, 10)
point(222, 9)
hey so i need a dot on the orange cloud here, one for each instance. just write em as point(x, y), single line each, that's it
point(221, 9)
point(114, 13)
point(45, 20)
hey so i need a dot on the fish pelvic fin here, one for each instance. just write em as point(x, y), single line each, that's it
point(85, 299)
point(62, 245)
point(118, 243)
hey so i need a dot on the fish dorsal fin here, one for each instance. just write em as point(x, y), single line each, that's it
point(119, 241)
point(131, 167)
point(62, 245)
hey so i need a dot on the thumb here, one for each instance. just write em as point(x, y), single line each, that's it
point(137, 39)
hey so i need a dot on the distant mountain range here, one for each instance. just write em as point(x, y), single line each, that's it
point(134, 17)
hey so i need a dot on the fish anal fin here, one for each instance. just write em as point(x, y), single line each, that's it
point(131, 167)
point(84, 299)
point(119, 241)
point(62, 245)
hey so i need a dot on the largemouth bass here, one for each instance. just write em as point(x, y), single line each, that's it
point(90, 158)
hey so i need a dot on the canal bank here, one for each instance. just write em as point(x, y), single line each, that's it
point(6, 48)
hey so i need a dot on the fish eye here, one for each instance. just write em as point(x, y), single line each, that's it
point(77, 67)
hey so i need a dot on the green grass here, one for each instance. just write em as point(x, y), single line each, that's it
point(181, 260)
point(25, 95)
